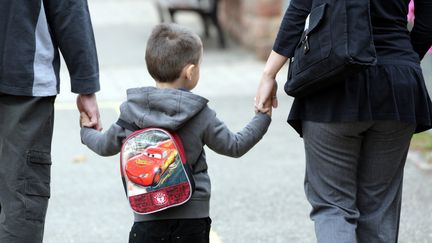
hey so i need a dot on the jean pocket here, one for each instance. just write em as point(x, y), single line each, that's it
point(37, 186)
point(36, 200)
point(39, 166)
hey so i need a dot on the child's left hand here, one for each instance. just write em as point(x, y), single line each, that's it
point(269, 112)
point(85, 120)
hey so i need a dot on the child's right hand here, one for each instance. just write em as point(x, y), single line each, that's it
point(85, 120)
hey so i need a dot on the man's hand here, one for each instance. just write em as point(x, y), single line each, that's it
point(86, 103)
point(85, 120)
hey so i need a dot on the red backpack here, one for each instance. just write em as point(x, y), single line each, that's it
point(154, 170)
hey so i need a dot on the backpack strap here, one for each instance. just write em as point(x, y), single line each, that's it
point(129, 126)
point(188, 167)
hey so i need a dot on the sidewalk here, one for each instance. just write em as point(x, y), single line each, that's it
point(122, 28)
point(258, 198)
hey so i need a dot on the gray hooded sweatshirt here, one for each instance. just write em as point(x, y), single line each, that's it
point(195, 123)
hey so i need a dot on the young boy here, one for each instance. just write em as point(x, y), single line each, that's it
point(173, 59)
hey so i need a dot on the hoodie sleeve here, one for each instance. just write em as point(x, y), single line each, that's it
point(105, 144)
point(221, 140)
point(72, 31)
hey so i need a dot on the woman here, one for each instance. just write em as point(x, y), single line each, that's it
point(357, 133)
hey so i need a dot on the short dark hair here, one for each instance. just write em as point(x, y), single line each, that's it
point(170, 48)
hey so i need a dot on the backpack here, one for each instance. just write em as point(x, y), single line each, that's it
point(154, 171)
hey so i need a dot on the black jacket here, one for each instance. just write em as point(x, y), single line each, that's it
point(31, 34)
point(389, 22)
point(393, 90)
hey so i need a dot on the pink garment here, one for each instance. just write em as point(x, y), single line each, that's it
point(411, 11)
point(411, 17)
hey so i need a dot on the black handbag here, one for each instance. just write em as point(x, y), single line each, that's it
point(337, 44)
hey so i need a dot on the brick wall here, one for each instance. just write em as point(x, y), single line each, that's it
point(254, 23)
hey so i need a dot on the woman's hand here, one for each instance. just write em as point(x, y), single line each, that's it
point(266, 97)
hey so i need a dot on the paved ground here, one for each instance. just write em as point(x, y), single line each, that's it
point(256, 199)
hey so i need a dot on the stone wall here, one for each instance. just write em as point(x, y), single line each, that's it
point(253, 23)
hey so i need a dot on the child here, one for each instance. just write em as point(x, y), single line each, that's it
point(173, 59)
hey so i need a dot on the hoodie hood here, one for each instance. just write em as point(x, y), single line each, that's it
point(164, 108)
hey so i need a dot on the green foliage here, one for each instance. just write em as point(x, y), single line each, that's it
point(422, 142)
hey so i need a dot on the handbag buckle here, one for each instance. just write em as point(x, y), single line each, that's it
point(306, 46)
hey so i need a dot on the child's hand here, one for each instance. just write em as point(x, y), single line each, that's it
point(268, 112)
point(85, 120)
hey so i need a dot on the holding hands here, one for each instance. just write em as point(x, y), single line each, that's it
point(89, 111)
point(266, 97)
point(85, 120)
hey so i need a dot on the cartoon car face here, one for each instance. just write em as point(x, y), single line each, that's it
point(146, 168)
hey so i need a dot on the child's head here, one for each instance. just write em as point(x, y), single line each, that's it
point(173, 53)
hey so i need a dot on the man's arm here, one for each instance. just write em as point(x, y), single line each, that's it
point(72, 32)
point(88, 105)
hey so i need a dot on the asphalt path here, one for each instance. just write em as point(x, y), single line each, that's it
point(257, 198)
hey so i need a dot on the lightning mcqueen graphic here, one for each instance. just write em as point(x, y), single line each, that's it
point(146, 168)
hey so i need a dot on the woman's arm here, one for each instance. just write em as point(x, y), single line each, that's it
point(289, 34)
point(292, 27)
point(266, 94)
point(421, 34)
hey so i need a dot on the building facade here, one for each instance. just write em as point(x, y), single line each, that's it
point(253, 23)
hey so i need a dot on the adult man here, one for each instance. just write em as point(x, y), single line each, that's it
point(31, 34)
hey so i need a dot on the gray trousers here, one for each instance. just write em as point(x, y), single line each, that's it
point(26, 126)
point(353, 181)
